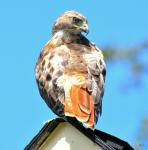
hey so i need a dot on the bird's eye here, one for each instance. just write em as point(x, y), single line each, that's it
point(76, 20)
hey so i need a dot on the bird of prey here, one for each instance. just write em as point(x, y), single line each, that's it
point(70, 71)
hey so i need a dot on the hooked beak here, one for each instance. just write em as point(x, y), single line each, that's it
point(85, 27)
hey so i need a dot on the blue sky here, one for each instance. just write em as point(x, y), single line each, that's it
point(25, 26)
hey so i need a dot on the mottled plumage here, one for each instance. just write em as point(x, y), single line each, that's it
point(70, 71)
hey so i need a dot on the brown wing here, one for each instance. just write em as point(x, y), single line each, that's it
point(87, 68)
point(96, 73)
point(49, 68)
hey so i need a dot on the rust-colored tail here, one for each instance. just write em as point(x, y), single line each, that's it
point(82, 105)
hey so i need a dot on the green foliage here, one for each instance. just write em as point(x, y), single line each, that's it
point(132, 56)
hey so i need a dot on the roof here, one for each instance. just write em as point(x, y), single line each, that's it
point(102, 139)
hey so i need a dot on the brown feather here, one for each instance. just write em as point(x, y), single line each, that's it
point(79, 114)
point(70, 74)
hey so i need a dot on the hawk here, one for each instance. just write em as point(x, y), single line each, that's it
point(70, 71)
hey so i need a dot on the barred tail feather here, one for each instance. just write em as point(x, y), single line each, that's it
point(82, 104)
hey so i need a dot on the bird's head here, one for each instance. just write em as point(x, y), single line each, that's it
point(72, 22)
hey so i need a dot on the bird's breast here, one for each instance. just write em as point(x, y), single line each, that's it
point(76, 63)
